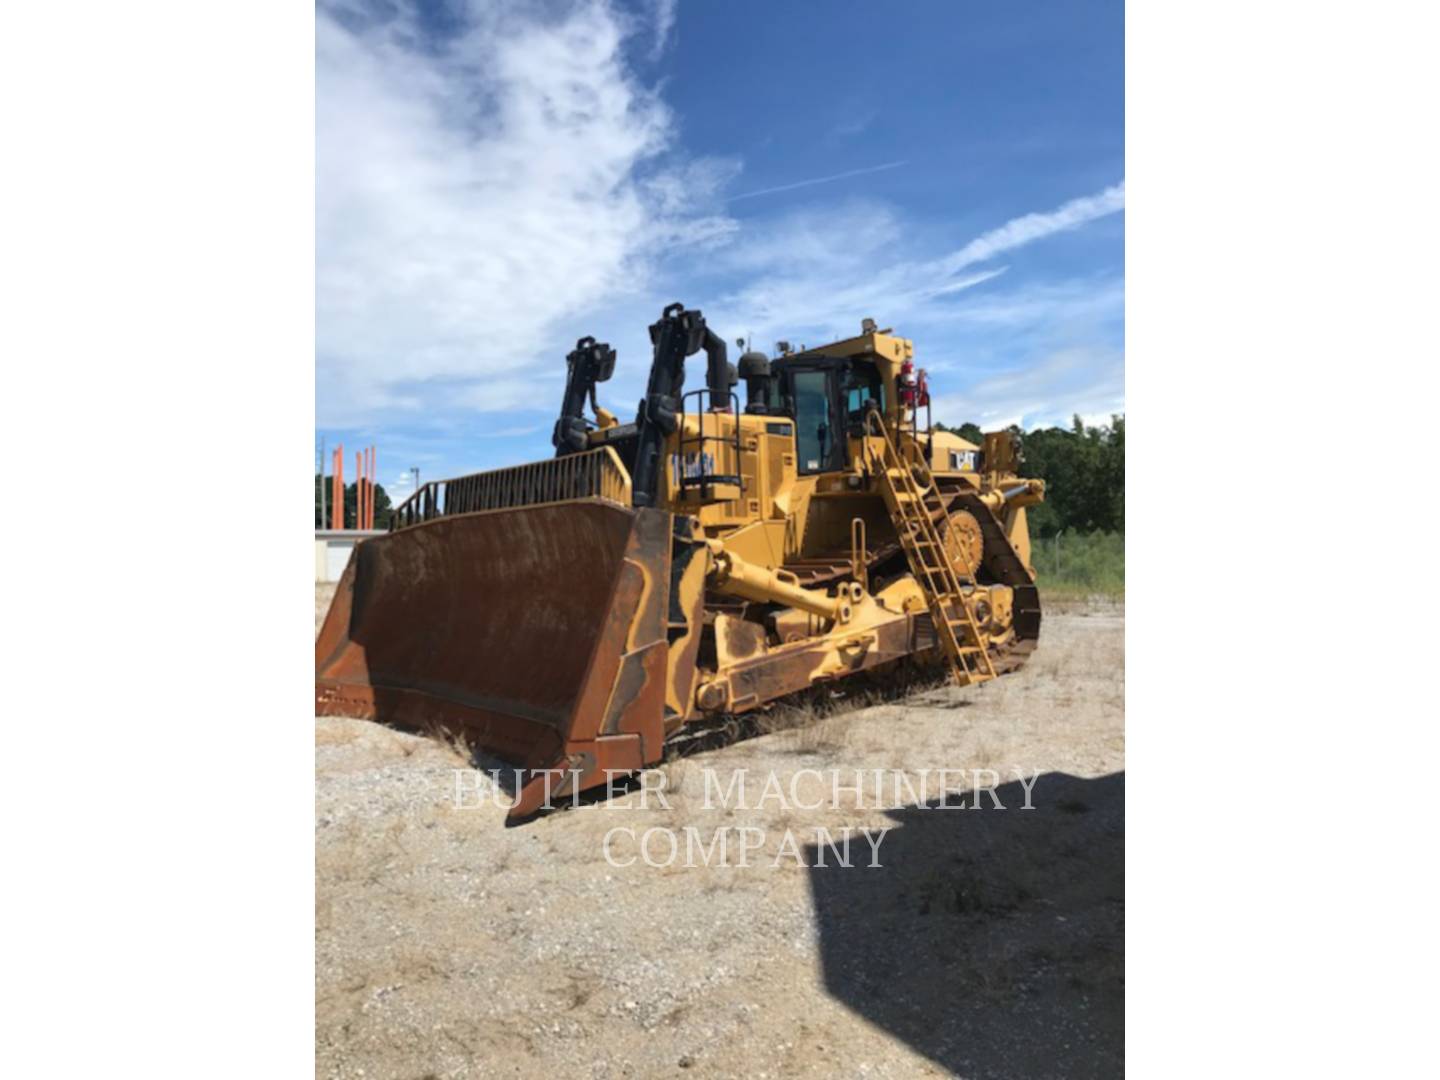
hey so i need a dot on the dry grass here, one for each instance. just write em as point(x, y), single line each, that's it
point(821, 738)
point(460, 746)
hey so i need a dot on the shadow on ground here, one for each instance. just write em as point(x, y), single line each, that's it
point(991, 941)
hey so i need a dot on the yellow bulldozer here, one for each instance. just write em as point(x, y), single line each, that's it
point(572, 616)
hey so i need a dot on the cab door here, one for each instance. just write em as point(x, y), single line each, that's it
point(829, 400)
point(819, 425)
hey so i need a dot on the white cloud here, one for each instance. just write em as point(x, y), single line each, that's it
point(818, 180)
point(1031, 227)
point(961, 284)
point(470, 199)
point(813, 275)
point(1089, 380)
point(664, 17)
point(857, 121)
point(1032, 353)
point(482, 201)
point(1073, 301)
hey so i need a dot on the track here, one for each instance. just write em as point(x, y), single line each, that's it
point(1002, 564)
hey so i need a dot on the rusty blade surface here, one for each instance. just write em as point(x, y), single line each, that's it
point(538, 633)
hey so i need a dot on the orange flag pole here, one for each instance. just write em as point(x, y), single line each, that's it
point(374, 471)
point(340, 486)
point(359, 486)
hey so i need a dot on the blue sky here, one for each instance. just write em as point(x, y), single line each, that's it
point(495, 181)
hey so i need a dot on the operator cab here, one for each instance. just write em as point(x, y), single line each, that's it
point(827, 397)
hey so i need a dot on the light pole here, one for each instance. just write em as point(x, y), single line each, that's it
point(324, 521)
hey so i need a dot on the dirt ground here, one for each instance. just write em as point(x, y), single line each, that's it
point(988, 942)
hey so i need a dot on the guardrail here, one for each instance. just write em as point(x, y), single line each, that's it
point(702, 473)
point(591, 474)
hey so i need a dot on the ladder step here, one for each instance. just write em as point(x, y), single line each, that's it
point(916, 510)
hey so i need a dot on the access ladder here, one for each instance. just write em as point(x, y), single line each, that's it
point(914, 507)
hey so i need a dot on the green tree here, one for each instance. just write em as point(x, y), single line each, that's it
point(1083, 469)
point(382, 505)
point(1084, 473)
point(971, 433)
point(967, 431)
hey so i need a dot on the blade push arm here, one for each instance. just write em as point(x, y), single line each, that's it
point(678, 334)
point(590, 362)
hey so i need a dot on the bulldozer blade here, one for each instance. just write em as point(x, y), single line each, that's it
point(537, 634)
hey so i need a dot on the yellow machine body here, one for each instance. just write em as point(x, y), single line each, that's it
point(776, 551)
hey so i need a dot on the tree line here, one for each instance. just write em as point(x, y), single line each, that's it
point(1084, 473)
point(382, 505)
point(1083, 469)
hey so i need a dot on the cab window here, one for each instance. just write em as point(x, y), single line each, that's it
point(861, 388)
point(814, 426)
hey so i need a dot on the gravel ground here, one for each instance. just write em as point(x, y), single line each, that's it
point(987, 943)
